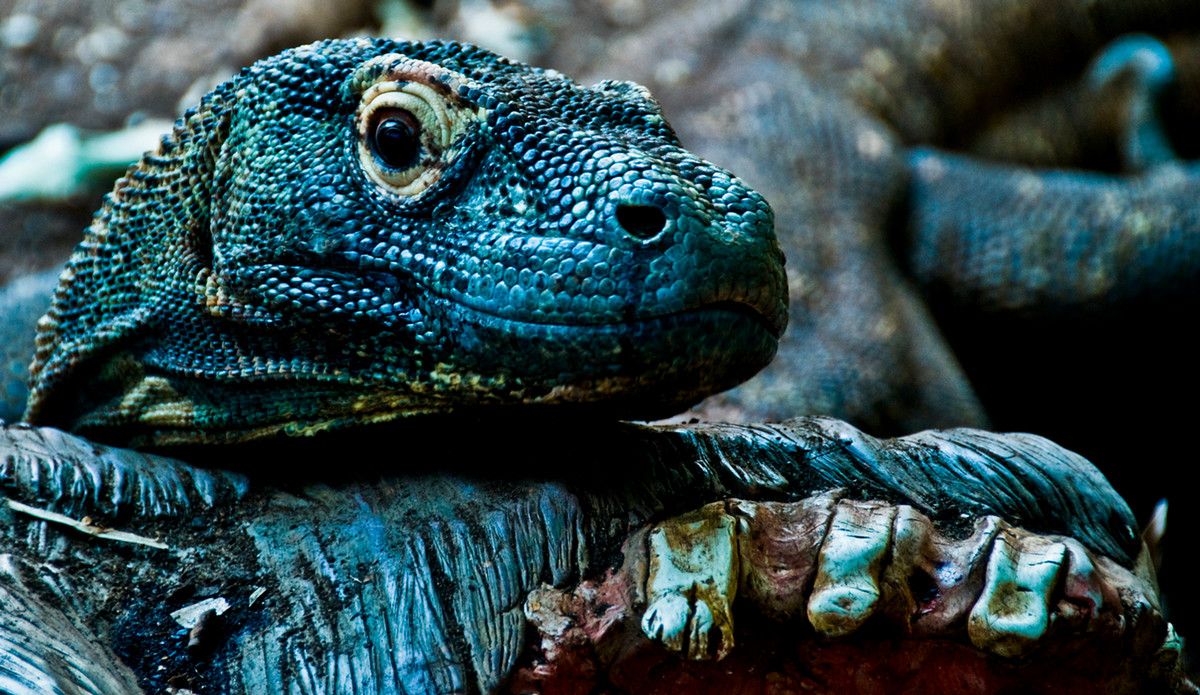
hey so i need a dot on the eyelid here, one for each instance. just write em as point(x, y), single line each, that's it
point(415, 87)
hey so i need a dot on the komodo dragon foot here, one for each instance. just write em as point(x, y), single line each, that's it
point(839, 562)
point(845, 576)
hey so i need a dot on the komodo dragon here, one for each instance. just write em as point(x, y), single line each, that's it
point(356, 231)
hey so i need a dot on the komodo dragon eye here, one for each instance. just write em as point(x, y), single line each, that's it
point(395, 137)
point(410, 123)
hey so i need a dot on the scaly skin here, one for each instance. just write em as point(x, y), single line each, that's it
point(259, 273)
point(407, 571)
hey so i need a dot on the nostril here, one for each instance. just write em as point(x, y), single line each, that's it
point(642, 221)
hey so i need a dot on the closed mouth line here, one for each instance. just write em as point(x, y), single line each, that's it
point(726, 306)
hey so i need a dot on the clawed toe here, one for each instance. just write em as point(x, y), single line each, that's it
point(692, 582)
point(840, 563)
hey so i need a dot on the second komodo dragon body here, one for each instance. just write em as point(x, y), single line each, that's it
point(355, 230)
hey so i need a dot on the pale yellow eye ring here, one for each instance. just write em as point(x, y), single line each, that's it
point(441, 125)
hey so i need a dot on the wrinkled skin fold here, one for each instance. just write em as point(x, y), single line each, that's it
point(376, 581)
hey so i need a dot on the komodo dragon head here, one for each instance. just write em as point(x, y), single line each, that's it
point(356, 230)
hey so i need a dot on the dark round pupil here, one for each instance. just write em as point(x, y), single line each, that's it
point(397, 140)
